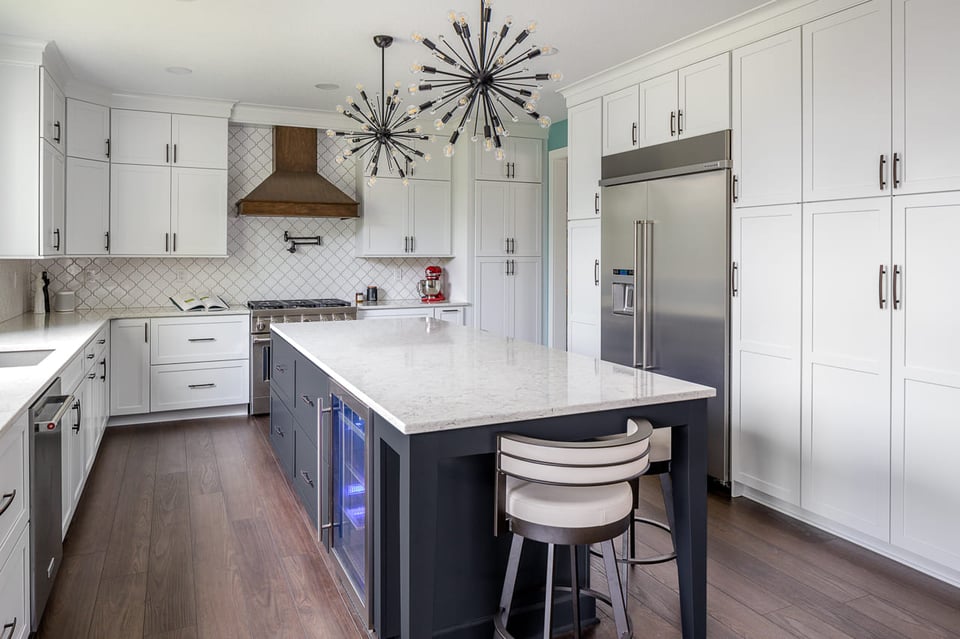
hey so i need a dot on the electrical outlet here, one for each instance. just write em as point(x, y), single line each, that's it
point(399, 275)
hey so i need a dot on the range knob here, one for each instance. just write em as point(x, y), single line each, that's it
point(260, 326)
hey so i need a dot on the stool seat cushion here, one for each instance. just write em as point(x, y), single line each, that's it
point(568, 506)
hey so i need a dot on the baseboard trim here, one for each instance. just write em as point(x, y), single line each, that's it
point(179, 415)
point(899, 555)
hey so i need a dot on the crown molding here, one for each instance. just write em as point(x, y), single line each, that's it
point(172, 104)
point(267, 115)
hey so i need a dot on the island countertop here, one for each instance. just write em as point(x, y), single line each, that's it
point(424, 375)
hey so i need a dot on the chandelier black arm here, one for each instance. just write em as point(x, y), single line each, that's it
point(489, 123)
point(443, 101)
point(488, 63)
point(513, 86)
point(447, 73)
point(454, 51)
point(468, 45)
point(463, 120)
point(505, 106)
point(363, 94)
point(523, 57)
point(364, 116)
point(405, 148)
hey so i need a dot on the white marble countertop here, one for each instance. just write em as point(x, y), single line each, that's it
point(425, 375)
point(411, 303)
point(66, 334)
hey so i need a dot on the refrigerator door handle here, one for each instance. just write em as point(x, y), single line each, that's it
point(647, 285)
point(637, 265)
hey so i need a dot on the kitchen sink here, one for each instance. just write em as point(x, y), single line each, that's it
point(12, 359)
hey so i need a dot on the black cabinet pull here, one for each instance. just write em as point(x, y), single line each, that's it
point(103, 375)
point(896, 170)
point(673, 119)
point(91, 375)
point(596, 272)
point(679, 121)
point(199, 386)
point(146, 332)
point(78, 408)
point(11, 627)
point(882, 276)
point(733, 279)
point(174, 242)
point(106, 241)
point(633, 134)
point(307, 400)
point(279, 431)
point(7, 500)
point(596, 204)
point(101, 341)
point(280, 369)
point(56, 136)
point(166, 242)
point(90, 355)
point(174, 153)
point(306, 478)
point(108, 147)
point(201, 339)
point(896, 287)
point(883, 166)
point(168, 153)
point(56, 242)
point(736, 189)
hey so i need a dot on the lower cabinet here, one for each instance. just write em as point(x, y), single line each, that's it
point(282, 434)
point(508, 297)
point(583, 287)
point(130, 362)
point(199, 385)
point(446, 313)
point(15, 587)
point(306, 479)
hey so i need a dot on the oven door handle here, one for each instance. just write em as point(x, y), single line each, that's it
point(261, 340)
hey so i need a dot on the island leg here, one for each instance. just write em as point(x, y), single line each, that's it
point(689, 475)
point(418, 537)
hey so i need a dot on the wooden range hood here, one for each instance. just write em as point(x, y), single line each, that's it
point(295, 189)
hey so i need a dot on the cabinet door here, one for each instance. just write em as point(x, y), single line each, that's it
point(494, 200)
point(584, 149)
point(767, 121)
point(523, 290)
point(583, 287)
point(488, 166)
point(526, 157)
point(384, 221)
point(130, 366)
point(53, 112)
point(73, 453)
point(429, 218)
point(926, 377)
point(198, 213)
point(925, 102)
point(846, 363)
point(88, 207)
point(140, 137)
point(658, 110)
point(139, 209)
point(621, 113)
point(491, 312)
point(704, 97)
point(15, 576)
point(89, 136)
point(766, 328)
point(846, 104)
point(199, 142)
point(52, 200)
point(525, 219)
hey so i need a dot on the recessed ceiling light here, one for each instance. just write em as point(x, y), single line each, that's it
point(327, 86)
point(179, 70)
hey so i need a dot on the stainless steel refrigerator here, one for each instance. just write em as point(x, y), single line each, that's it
point(665, 253)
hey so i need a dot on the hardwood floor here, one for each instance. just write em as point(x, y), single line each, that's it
point(188, 530)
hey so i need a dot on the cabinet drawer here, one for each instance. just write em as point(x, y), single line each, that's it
point(282, 368)
point(306, 479)
point(95, 349)
point(14, 589)
point(394, 313)
point(281, 434)
point(179, 340)
point(179, 386)
point(312, 392)
point(14, 483)
point(454, 314)
point(72, 374)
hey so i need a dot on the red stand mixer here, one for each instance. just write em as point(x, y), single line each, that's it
point(431, 288)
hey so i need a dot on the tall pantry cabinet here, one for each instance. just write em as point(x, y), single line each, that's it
point(508, 215)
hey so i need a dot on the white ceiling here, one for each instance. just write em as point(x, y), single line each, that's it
point(274, 52)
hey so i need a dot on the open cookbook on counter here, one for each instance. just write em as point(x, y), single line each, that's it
point(205, 302)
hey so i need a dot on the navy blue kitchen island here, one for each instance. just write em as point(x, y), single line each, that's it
point(404, 416)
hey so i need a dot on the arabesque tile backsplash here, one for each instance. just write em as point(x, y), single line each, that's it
point(258, 266)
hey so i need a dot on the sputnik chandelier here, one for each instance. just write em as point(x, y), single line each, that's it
point(488, 75)
point(382, 136)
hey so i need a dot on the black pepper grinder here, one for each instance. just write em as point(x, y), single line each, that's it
point(46, 292)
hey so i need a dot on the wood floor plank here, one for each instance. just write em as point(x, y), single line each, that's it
point(129, 546)
point(182, 633)
point(318, 601)
point(70, 607)
point(800, 622)
point(172, 453)
point(898, 619)
point(212, 539)
point(170, 598)
point(221, 605)
point(118, 612)
point(201, 460)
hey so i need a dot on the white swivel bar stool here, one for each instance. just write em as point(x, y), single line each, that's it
point(569, 494)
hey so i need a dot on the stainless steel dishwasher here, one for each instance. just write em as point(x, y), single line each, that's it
point(46, 540)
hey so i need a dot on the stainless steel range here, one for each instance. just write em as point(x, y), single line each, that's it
point(263, 313)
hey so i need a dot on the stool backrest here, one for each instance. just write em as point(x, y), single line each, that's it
point(608, 460)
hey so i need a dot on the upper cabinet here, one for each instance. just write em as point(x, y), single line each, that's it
point(584, 123)
point(53, 112)
point(405, 221)
point(199, 142)
point(522, 161)
point(139, 137)
point(436, 168)
point(621, 111)
point(508, 219)
point(89, 136)
point(690, 101)
point(926, 97)
point(767, 122)
point(846, 104)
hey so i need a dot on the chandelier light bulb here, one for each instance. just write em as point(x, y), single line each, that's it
point(417, 129)
point(451, 16)
point(462, 18)
point(474, 138)
point(532, 27)
point(413, 88)
point(439, 123)
point(413, 110)
point(340, 108)
point(350, 100)
point(359, 87)
point(405, 181)
point(544, 121)
point(449, 150)
point(488, 144)
point(339, 159)
point(535, 96)
point(556, 76)
point(348, 153)
point(427, 157)
point(548, 51)
point(499, 155)
point(530, 107)
point(372, 181)
point(331, 133)
point(417, 37)
point(508, 21)
point(416, 67)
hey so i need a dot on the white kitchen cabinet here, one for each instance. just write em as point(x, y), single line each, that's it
point(846, 363)
point(767, 121)
point(584, 151)
point(139, 209)
point(89, 132)
point(508, 218)
point(658, 109)
point(583, 287)
point(522, 161)
point(452, 314)
point(198, 211)
point(87, 207)
point(72, 453)
point(52, 201)
point(183, 340)
point(846, 104)
point(437, 168)
point(406, 221)
point(765, 350)
point(130, 366)
point(53, 112)
point(199, 385)
point(140, 137)
point(14, 481)
point(508, 297)
point(704, 97)
point(926, 98)
point(926, 377)
point(15, 587)
point(621, 113)
point(199, 142)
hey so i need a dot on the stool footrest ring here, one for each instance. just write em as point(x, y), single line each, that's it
point(599, 596)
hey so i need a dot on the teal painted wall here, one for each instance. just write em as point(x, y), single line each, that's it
point(558, 136)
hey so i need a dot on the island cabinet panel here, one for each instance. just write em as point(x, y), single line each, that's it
point(282, 434)
point(306, 474)
point(282, 371)
point(312, 393)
